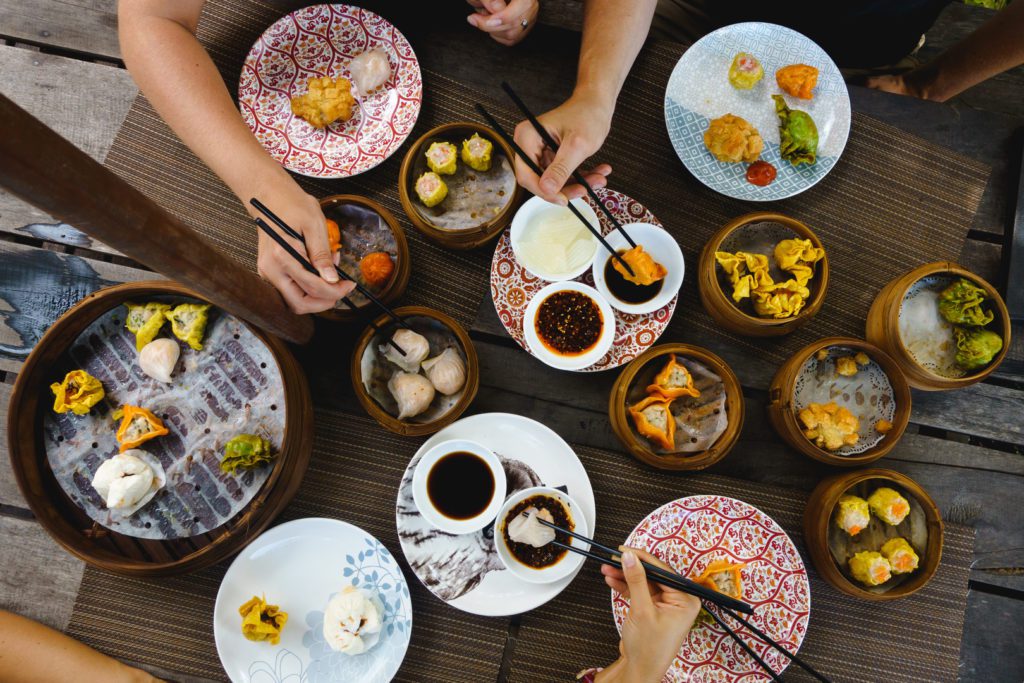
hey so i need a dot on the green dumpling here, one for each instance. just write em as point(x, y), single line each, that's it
point(145, 320)
point(797, 134)
point(188, 322)
point(961, 304)
point(246, 450)
point(976, 347)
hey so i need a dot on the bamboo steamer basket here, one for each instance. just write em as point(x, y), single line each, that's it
point(818, 514)
point(639, 447)
point(455, 239)
point(403, 262)
point(386, 419)
point(718, 303)
point(883, 330)
point(110, 550)
point(782, 409)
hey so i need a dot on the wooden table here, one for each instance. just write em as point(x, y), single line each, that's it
point(60, 60)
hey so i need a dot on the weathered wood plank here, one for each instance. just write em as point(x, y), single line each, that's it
point(83, 101)
point(88, 26)
point(38, 285)
point(991, 643)
point(984, 259)
point(9, 493)
point(38, 579)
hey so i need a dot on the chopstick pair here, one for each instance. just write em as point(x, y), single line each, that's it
point(295, 234)
point(670, 579)
point(550, 142)
point(596, 232)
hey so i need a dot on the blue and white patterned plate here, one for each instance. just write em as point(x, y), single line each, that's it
point(699, 91)
point(299, 566)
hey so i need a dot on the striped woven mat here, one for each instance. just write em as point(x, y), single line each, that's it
point(354, 476)
point(893, 202)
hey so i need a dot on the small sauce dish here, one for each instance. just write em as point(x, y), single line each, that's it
point(567, 562)
point(538, 220)
point(662, 247)
point(569, 325)
point(459, 486)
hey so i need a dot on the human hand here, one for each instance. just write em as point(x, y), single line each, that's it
point(657, 623)
point(302, 291)
point(579, 126)
point(910, 84)
point(507, 21)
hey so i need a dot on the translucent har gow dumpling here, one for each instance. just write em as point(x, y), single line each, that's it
point(412, 392)
point(158, 358)
point(370, 70)
point(447, 372)
point(416, 348)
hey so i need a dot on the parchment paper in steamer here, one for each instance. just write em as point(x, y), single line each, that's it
point(232, 386)
point(868, 394)
point(363, 231)
point(474, 197)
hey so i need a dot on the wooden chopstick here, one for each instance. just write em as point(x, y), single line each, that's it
point(550, 142)
point(295, 234)
point(262, 225)
point(536, 169)
point(674, 580)
point(667, 578)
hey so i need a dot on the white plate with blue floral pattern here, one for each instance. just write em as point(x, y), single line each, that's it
point(699, 91)
point(298, 566)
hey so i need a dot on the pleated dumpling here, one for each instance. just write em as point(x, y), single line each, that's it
point(412, 392)
point(414, 344)
point(447, 372)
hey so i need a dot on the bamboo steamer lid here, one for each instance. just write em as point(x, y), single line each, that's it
point(782, 409)
point(386, 419)
point(639, 447)
point(818, 515)
point(108, 549)
point(403, 262)
point(719, 304)
point(882, 327)
point(470, 238)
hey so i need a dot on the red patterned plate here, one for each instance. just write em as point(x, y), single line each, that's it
point(512, 287)
point(692, 532)
point(319, 41)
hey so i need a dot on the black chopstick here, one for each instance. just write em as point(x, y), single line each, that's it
point(746, 648)
point(295, 234)
point(674, 580)
point(550, 142)
point(667, 578)
point(536, 169)
point(262, 225)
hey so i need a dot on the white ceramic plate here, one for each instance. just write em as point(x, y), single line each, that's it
point(298, 566)
point(662, 246)
point(465, 570)
point(699, 91)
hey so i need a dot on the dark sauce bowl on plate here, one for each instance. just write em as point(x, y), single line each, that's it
point(569, 325)
point(548, 563)
point(631, 298)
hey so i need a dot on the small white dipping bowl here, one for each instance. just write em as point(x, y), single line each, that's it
point(583, 360)
point(559, 570)
point(431, 513)
point(528, 218)
point(662, 247)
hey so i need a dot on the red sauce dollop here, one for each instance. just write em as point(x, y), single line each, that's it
point(760, 173)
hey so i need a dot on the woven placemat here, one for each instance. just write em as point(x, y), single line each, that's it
point(847, 639)
point(354, 476)
point(892, 202)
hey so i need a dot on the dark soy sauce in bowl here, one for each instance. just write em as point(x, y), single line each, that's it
point(460, 485)
point(625, 291)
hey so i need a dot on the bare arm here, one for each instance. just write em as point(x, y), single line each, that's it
point(180, 80)
point(33, 653)
point(997, 46)
point(613, 33)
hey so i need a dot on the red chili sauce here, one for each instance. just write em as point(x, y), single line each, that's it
point(569, 323)
point(760, 173)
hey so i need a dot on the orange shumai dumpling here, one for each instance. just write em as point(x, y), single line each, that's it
point(732, 139)
point(798, 80)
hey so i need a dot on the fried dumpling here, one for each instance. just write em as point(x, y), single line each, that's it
point(798, 80)
point(325, 101)
point(415, 345)
point(158, 358)
point(732, 139)
point(447, 372)
point(412, 392)
point(646, 271)
point(673, 381)
point(370, 70)
point(654, 420)
point(830, 425)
